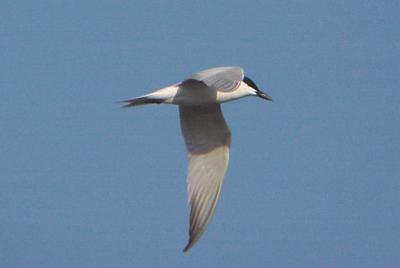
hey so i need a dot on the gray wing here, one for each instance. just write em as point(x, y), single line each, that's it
point(221, 78)
point(207, 139)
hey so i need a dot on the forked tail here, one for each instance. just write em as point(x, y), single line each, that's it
point(139, 101)
point(164, 95)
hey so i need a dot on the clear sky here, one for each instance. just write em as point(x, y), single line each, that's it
point(314, 177)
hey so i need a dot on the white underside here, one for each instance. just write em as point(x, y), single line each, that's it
point(174, 94)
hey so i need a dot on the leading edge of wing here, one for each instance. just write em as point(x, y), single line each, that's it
point(220, 77)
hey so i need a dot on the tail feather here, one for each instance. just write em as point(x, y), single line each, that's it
point(139, 101)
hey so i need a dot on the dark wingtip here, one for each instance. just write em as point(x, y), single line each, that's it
point(188, 247)
point(190, 243)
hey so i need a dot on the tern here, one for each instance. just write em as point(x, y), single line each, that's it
point(207, 136)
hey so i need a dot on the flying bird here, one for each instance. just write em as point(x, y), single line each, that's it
point(206, 133)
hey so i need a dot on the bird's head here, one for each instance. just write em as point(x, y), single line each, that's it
point(255, 90)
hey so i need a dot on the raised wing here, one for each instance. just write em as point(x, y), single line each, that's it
point(221, 78)
point(207, 139)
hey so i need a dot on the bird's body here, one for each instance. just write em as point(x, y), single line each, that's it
point(206, 133)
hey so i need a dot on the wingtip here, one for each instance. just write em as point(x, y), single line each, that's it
point(188, 247)
point(190, 243)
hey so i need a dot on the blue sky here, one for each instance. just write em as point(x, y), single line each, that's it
point(314, 177)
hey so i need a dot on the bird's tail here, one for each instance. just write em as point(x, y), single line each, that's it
point(139, 101)
point(164, 95)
